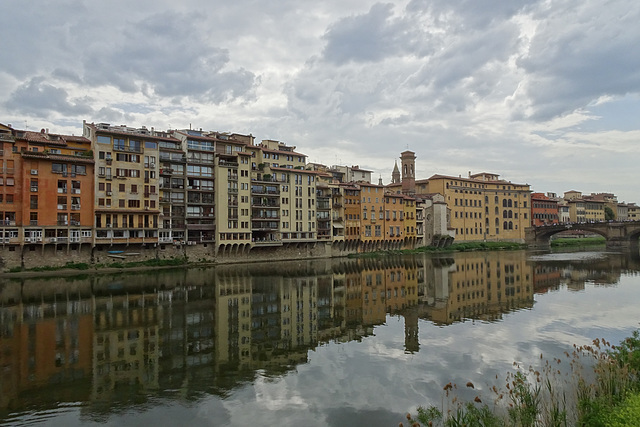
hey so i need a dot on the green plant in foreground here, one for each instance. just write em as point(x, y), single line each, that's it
point(463, 415)
point(599, 387)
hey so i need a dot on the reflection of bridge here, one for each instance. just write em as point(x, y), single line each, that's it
point(617, 234)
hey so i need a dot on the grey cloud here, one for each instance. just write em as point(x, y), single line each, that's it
point(40, 98)
point(66, 75)
point(468, 15)
point(112, 115)
point(580, 54)
point(169, 55)
point(368, 37)
point(34, 35)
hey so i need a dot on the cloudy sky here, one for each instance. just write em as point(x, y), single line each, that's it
point(541, 92)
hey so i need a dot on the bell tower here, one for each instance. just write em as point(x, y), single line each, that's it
point(395, 175)
point(408, 159)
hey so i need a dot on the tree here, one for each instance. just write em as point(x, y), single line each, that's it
point(608, 214)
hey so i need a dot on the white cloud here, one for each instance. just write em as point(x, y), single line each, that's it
point(533, 85)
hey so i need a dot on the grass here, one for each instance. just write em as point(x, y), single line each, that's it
point(600, 388)
point(583, 241)
point(455, 247)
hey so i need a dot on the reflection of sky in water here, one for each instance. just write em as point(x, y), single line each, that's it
point(568, 256)
point(370, 380)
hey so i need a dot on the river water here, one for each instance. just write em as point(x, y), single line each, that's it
point(317, 343)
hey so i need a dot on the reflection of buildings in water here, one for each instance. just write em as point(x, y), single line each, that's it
point(546, 277)
point(477, 286)
point(577, 278)
point(126, 343)
point(43, 343)
point(214, 328)
point(575, 274)
point(283, 319)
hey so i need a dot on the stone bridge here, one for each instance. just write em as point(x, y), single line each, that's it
point(617, 234)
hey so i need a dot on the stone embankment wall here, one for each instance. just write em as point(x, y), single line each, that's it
point(31, 256)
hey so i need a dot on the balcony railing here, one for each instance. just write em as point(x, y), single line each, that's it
point(127, 149)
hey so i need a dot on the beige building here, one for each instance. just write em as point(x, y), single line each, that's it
point(127, 185)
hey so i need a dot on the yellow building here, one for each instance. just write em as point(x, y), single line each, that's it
point(372, 214)
point(483, 286)
point(483, 207)
point(594, 210)
point(410, 225)
point(394, 217)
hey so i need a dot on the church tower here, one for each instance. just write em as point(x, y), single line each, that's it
point(395, 175)
point(408, 159)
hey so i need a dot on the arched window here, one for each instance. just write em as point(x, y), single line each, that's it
point(504, 214)
point(510, 203)
point(497, 222)
point(504, 203)
point(510, 225)
point(505, 225)
point(497, 211)
point(510, 214)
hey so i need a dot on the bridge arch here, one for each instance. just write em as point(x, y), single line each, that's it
point(616, 234)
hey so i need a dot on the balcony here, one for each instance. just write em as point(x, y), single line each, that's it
point(264, 225)
point(226, 163)
point(127, 149)
point(262, 217)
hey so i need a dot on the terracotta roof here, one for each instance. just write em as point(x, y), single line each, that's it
point(57, 157)
point(46, 138)
point(475, 180)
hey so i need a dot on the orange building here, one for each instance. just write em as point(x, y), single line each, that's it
point(52, 191)
point(351, 213)
point(543, 210)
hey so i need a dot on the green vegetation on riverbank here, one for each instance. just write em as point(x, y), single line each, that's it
point(170, 262)
point(455, 247)
point(582, 241)
point(601, 387)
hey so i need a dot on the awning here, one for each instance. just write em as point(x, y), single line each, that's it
point(338, 226)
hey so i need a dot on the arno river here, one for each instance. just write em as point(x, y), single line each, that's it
point(318, 343)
